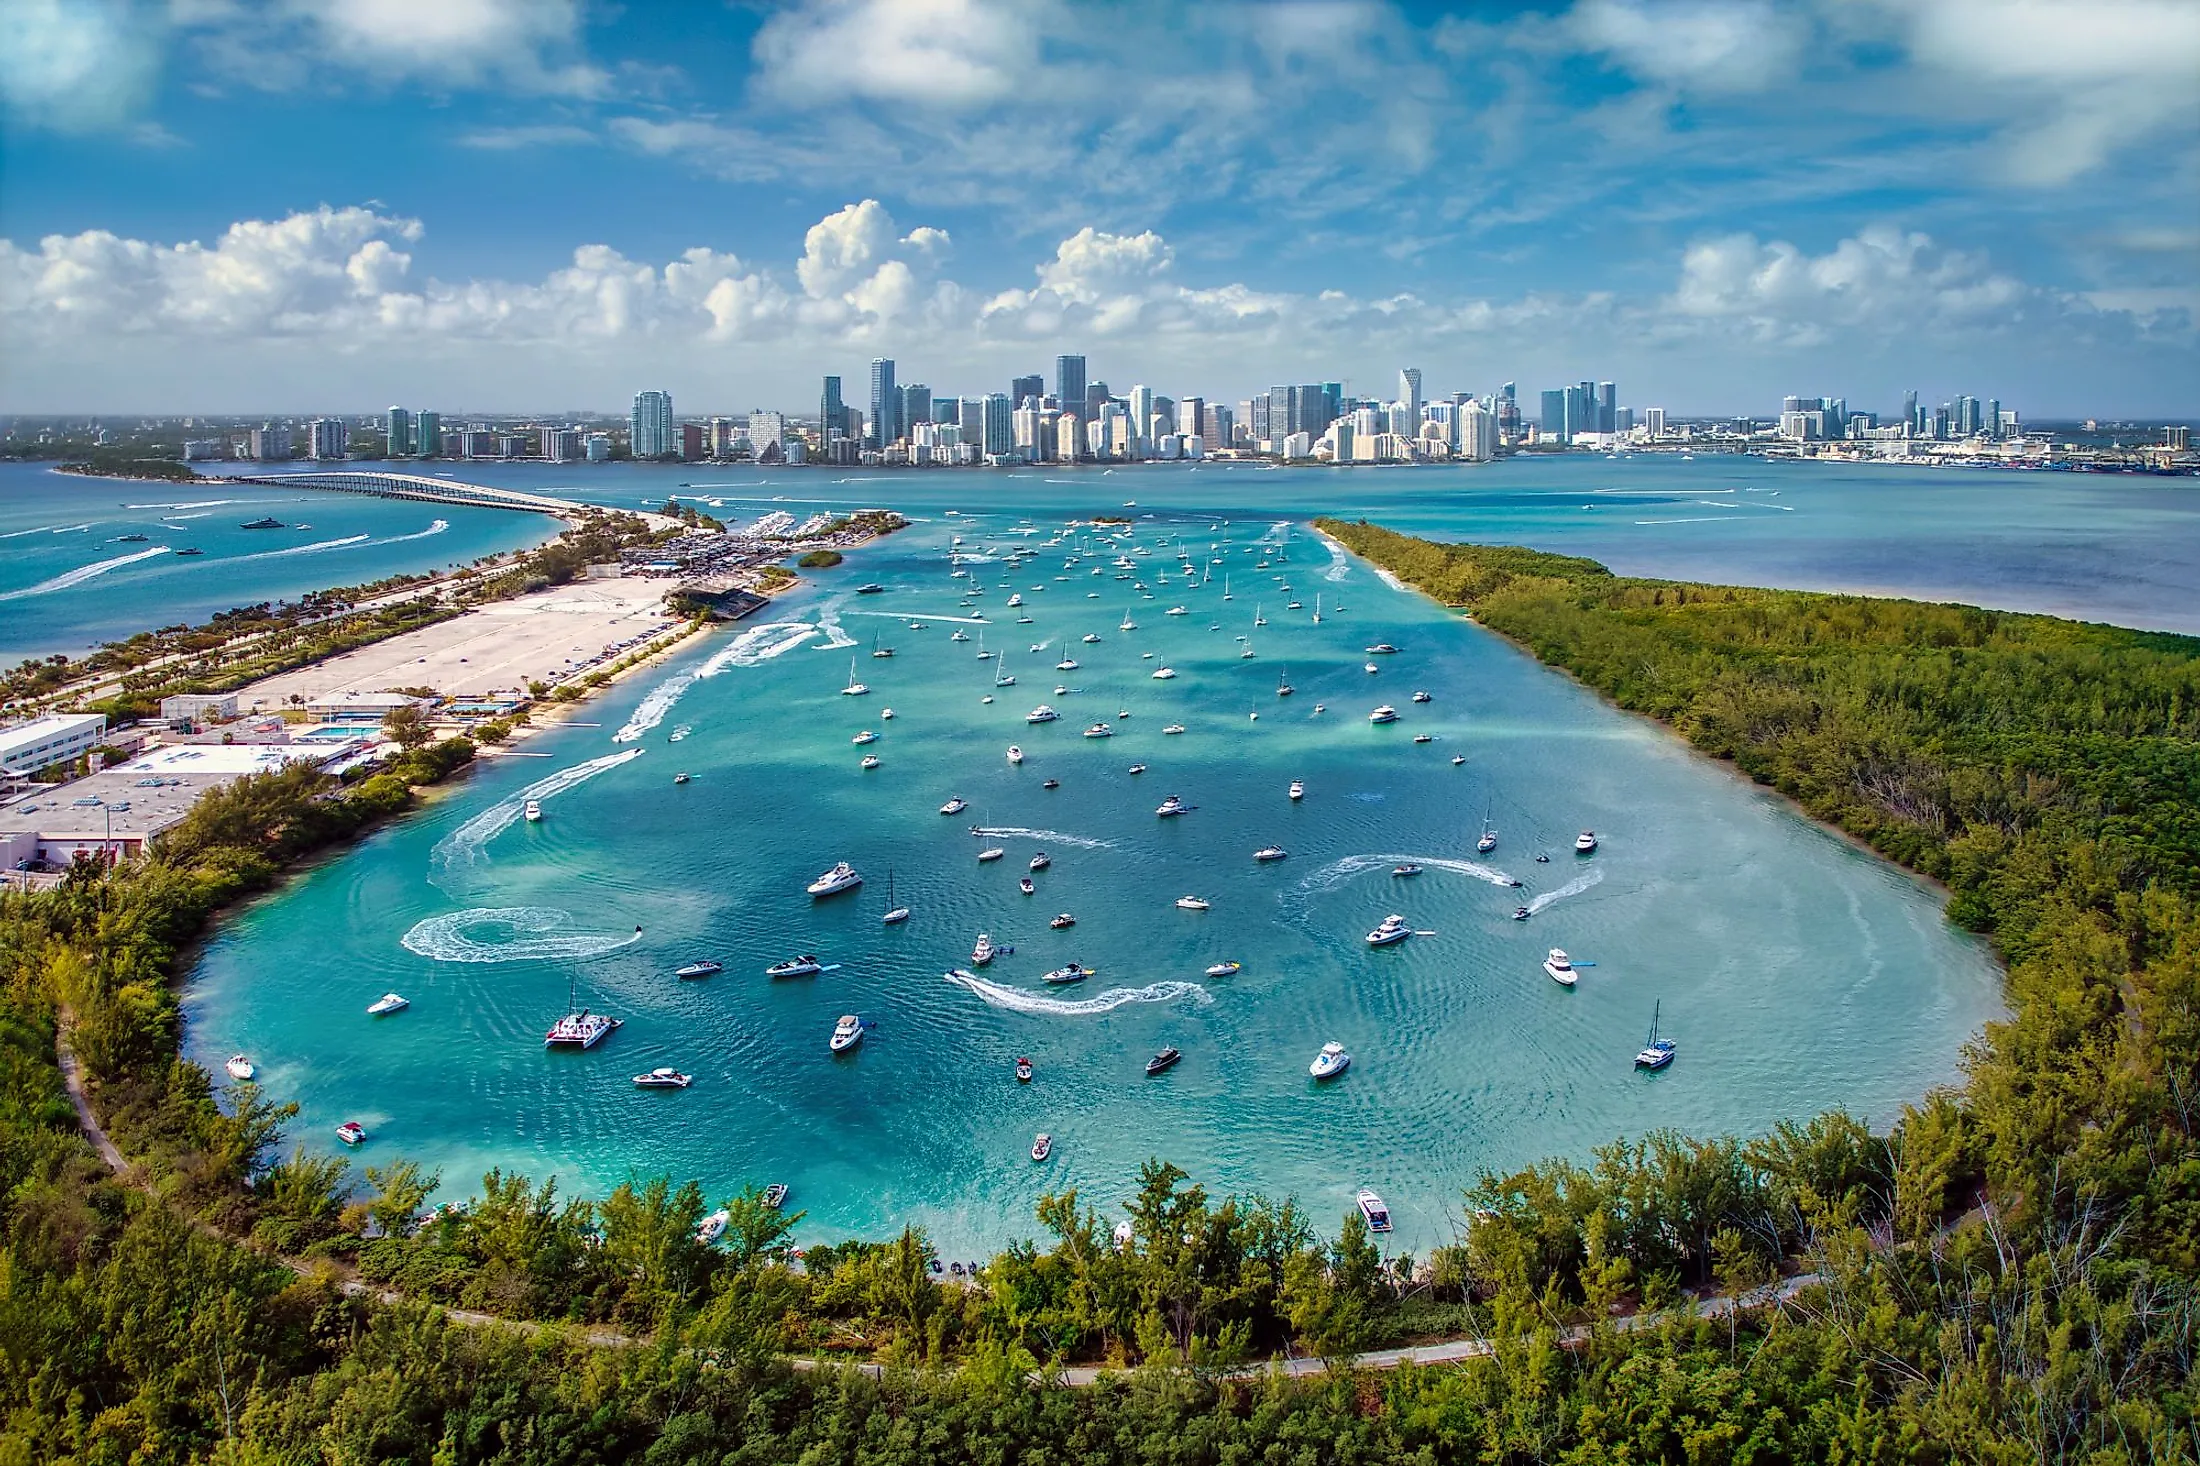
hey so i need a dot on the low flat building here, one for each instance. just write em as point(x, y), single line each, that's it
point(43, 742)
point(361, 707)
point(199, 707)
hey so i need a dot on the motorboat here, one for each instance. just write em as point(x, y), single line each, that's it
point(1585, 842)
point(351, 1132)
point(959, 635)
point(1225, 969)
point(955, 806)
point(1025, 884)
point(842, 877)
point(868, 762)
point(579, 1030)
point(240, 1068)
point(1656, 1052)
point(775, 1196)
point(665, 1077)
point(887, 714)
point(1330, 1062)
point(1016, 600)
point(1270, 852)
point(1042, 1147)
point(1406, 869)
point(1561, 968)
point(1521, 913)
point(1371, 668)
point(268, 522)
point(1384, 714)
point(1067, 973)
point(1163, 1062)
point(1015, 754)
point(990, 854)
point(1420, 694)
point(983, 951)
point(1392, 929)
point(1321, 707)
point(1091, 637)
point(1372, 1208)
point(1063, 922)
point(1163, 674)
point(1041, 714)
point(1173, 729)
point(806, 965)
point(847, 1033)
point(712, 1227)
point(386, 1004)
point(1381, 649)
point(1192, 903)
point(1041, 860)
point(1170, 807)
point(866, 736)
point(1178, 611)
point(1099, 730)
point(681, 777)
point(1424, 738)
point(1023, 1070)
point(688, 972)
point(869, 588)
point(532, 811)
point(1051, 784)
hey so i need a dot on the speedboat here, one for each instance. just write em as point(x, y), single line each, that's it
point(955, 806)
point(1178, 611)
point(847, 1033)
point(1270, 852)
point(990, 854)
point(1330, 1062)
point(1487, 843)
point(681, 777)
point(1392, 929)
point(1424, 738)
point(712, 1227)
point(351, 1132)
point(388, 1003)
point(869, 761)
point(1173, 729)
point(1521, 913)
point(1041, 860)
point(960, 635)
point(1163, 1061)
point(1192, 903)
point(1420, 695)
point(1170, 806)
point(775, 1196)
point(1298, 788)
point(869, 588)
point(1407, 869)
point(983, 951)
point(1091, 637)
point(866, 736)
point(240, 1068)
point(1051, 784)
point(1041, 714)
point(1656, 1052)
point(805, 965)
point(1380, 649)
point(1023, 1070)
point(1372, 1208)
point(663, 1078)
point(1225, 969)
point(1384, 714)
point(1561, 968)
point(886, 713)
point(1371, 667)
point(581, 1030)
point(1063, 922)
point(1585, 842)
point(704, 968)
point(532, 810)
point(842, 877)
point(1025, 884)
point(1068, 972)
point(1015, 754)
point(1163, 674)
point(1099, 730)
point(1042, 1147)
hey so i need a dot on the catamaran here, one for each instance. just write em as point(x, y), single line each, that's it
point(854, 688)
point(1656, 1052)
point(579, 1028)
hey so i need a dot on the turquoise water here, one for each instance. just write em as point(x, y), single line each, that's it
point(1794, 971)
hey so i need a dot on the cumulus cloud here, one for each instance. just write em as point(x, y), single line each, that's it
point(525, 42)
point(76, 65)
point(941, 53)
point(1715, 45)
point(1883, 277)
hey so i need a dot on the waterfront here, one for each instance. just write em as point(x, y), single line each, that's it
point(1796, 971)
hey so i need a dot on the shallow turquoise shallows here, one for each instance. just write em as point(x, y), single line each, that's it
point(1794, 971)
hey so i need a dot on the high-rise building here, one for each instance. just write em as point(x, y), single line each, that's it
point(1027, 389)
point(767, 435)
point(947, 409)
point(1069, 382)
point(1141, 408)
point(399, 434)
point(1992, 423)
point(649, 429)
point(1909, 412)
point(1219, 429)
point(1409, 392)
point(599, 448)
point(427, 433)
point(1653, 420)
point(1607, 407)
point(1191, 414)
point(561, 445)
point(1476, 431)
point(271, 443)
point(999, 425)
point(694, 447)
point(883, 427)
point(916, 407)
point(327, 438)
point(832, 413)
point(1068, 438)
point(1552, 422)
point(970, 419)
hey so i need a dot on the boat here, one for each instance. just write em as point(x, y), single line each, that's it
point(842, 877)
point(869, 588)
point(1042, 1147)
point(1067, 973)
point(1225, 969)
point(1173, 729)
point(681, 777)
point(1163, 1061)
point(886, 713)
point(1406, 869)
point(692, 970)
point(775, 1196)
point(132, 539)
point(959, 635)
point(1488, 841)
point(1127, 624)
point(1016, 600)
point(1560, 968)
point(877, 650)
point(712, 1227)
point(1384, 714)
point(1372, 1208)
point(351, 1132)
point(1177, 611)
point(990, 854)
point(854, 688)
point(663, 1078)
point(1330, 1062)
point(190, 550)
point(1521, 913)
point(678, 733)
point(1381, 649)
point(1585, 842)
point(955, 805)
point(1023, 1070)
point(1099, 730)
point(579, 1028)
point(870, 761)
point(1372, 668)
point(1015, 754)
point(1393, 928)
point(270, 522)
point(866, 736)
point(1656, 1052)
point(532, 811)
point(983, 951)
point(388, 1003)
point(1420, 694)
point(240, 1068)
point(1050, 784)
point(895, 915)
point(1424, 738)
point(1063, 922)
point(1091, 637)
point(847, 1033)
point(1025, 884)
point(1067, 664)
point(1041, 860)
point(1270, 852)
point(1170, 806)
point(805, 965)
point(1192, 903)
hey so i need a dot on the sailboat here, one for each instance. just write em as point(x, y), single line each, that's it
point(1317, 608)
point(1226, 587)
point(579, 1028)
point(854, 688)
point(1656, 1052)
point(895, 915)
point(877, 650)
point(1258, 619)
point(1488, 842)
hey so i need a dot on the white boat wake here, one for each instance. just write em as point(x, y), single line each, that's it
point(312, 549)
point(188, 504)
point(527, 934)
point(755, 644)
point(1051, 837)
point(926, 618)
point(464, 844)
point(1340, 564)
point(1329, 877)
point(1573, 887)
point(16, 534)
point(435, 528)
point(828, 621)
point(1017, 1000)
point(81, 574)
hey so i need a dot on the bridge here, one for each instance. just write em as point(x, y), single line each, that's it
point(438, 491)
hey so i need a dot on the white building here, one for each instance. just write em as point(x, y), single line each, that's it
point(327, 438)
point(43, 742)
point(199, 707)
point(649, 430)
point(562, 445)
point(599, 447)
point(1474, 433)
point(767, 430)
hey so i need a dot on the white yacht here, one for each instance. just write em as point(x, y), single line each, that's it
point(1381, 649)
point(1560, 967)
point(663, 1078)
point(959, 635)
point(1585, 842)
point(1067, 973)
point(866, 736)
point(1178, 611)
point(1393, 928)
point(1268, 853)
point(1330, 1062)
point(1163, 674)
point(1170, 806)
point(1016, 600)
point(805, 965)
point(692, 971)
point(990, 854)
point(1015, 754)
point(532, 811)
point(1488, 842)
point(1173, 729)
point(1192, 903)
point(579, 1030)
point(1067, 664)
point(870, 761)
point(1384, 714)
point(1041, 714)
point(1373, 1208)
point(240, 1068)
point(984, 951)
point(1371, 668)
point(886, 713)
point(1225, 969)
point(1041, 860)
point(1298, 788)
point(1420, 694)
point(388, 1003)
point(955, 806)
point(842, 877)
point(847, 1033)
point(1099, 730)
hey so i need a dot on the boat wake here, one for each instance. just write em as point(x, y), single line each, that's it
point(312, 549)
point(16, 534)
point(81, 574)
point(1329, 877)
point(754, 645)
point(1573, 887)
point(187, 504)
point(434, 528)
point(828, 621)
point(1051, 837)
point(1017, 1000)
point(1340, 564)
point(463, 845)
point(509, 934)
point(922, 616)
point(173, 519)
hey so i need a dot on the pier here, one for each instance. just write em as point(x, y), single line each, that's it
point(437, 491)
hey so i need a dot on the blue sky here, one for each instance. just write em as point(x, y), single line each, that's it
point(329, 205)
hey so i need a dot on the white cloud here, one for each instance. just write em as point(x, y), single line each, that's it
point(941, 53)
point(1712, 45)
point(1883, 278)
point(523, 43)
point(76, 65)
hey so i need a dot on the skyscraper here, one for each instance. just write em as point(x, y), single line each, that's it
point(916, 406)
point(832, 414)
point(428, 433)
point(649, 430)
point(1069, 382)
point(1607, 408)
point(1141, 405)
point(1409, 392)
point(1553, 421)
point(1909, 411)
point(1027, 389)
point(885, 426)
point(1000, 424)
point(400, 433)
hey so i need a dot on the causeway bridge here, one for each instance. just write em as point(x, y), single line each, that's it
point(434, 491)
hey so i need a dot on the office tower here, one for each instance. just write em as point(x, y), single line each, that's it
point(327, 438)
point(1279, 414)
point(427, 433)
point(1624, 420)
point(1653, 420)
point(1552, 423)
point(724, 433)
point(998, 425)
point(1409, 392)
point(1329, 405)
point(649, 430)
point(1992, 423)
point(1580, 410)
point(767, 431)
point(1141, 411)
point(1795, 404)
point(970, 419)
point(1191, 416)
point(832, 414)
point(1476, 432)
point(882, 429)
point(947, 409)
point(692, 445)
point(1096, 394)
point(1218, 427)
point(1607, 407)
point(1165, 407)
point(915, 407)
point(400, 441)
point(1068, 437)
point(1909, 411)
point(1069, 382)
point(1030, 388)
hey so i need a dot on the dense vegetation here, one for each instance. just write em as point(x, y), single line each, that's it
point(123, 463)
point(2007, 1276)
point(820, 560)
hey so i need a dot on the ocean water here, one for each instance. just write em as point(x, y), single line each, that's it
point(1795, 971)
